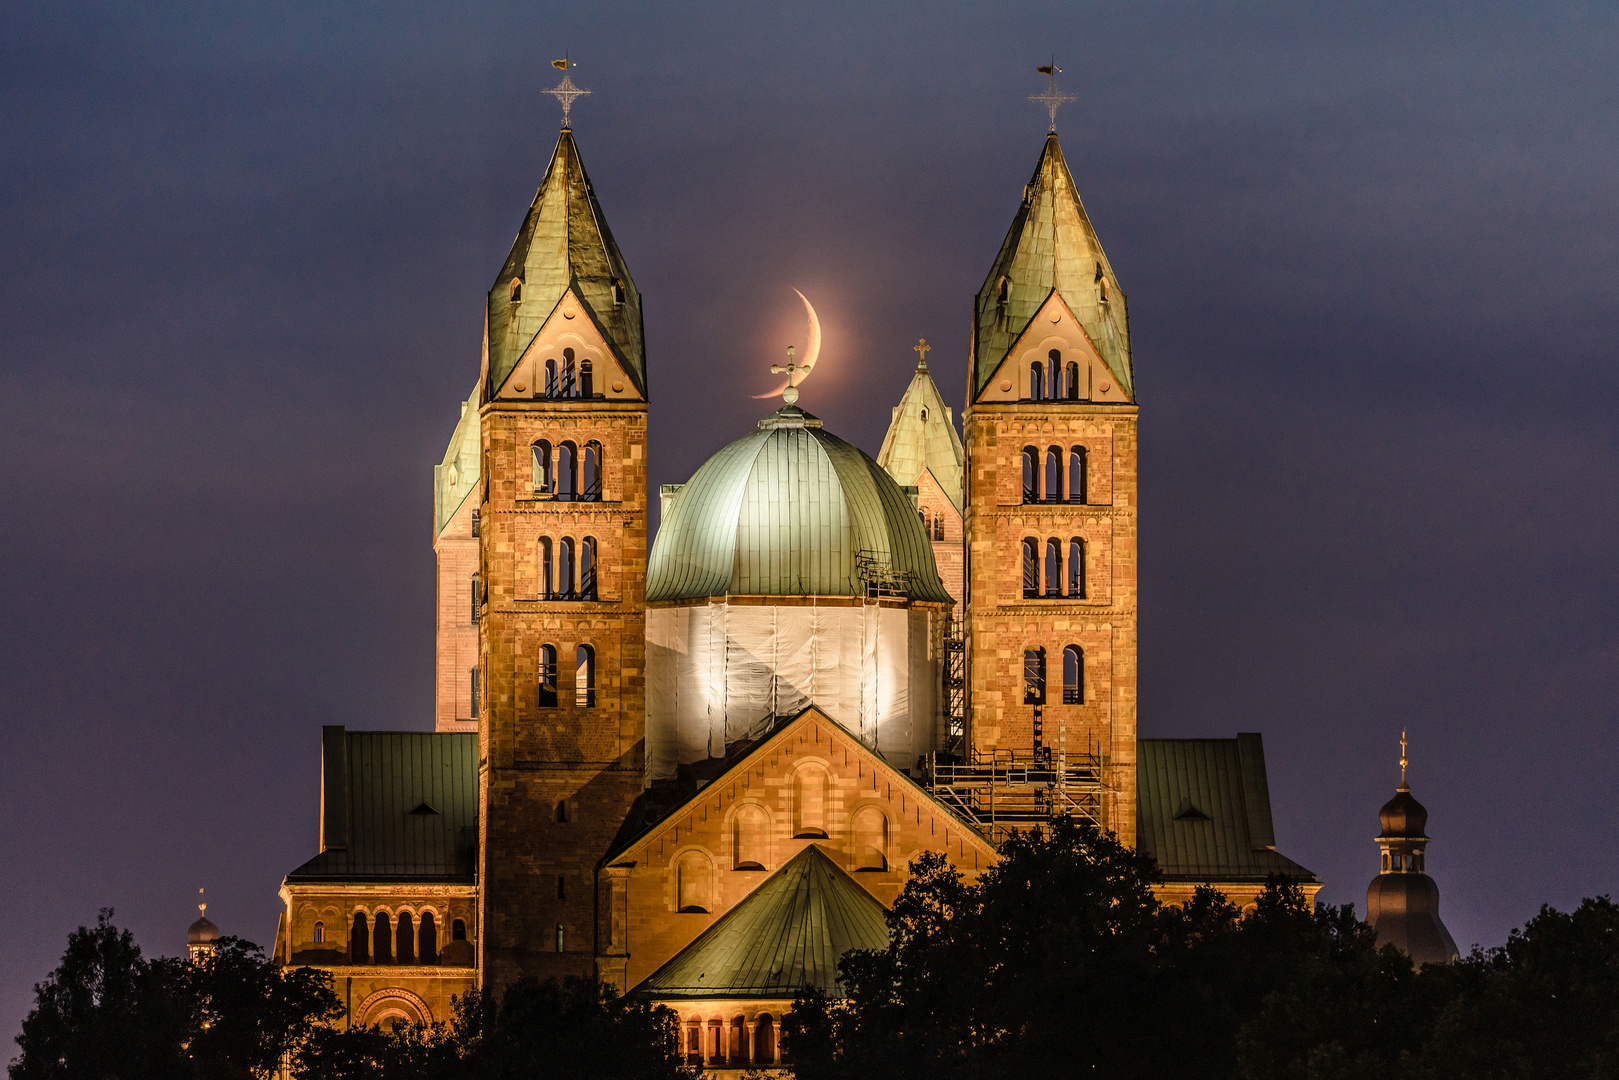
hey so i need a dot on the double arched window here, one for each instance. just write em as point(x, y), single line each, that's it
point(567, 474)
point(1044, 563)
point(565, 570)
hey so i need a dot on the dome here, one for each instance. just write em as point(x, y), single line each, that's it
point(1404, 911)
point(790, 510)
point(202, 932)
point(1403, 815)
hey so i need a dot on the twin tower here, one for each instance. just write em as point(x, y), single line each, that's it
point(541, 537)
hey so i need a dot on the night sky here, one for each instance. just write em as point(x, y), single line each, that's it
point(1370, 254)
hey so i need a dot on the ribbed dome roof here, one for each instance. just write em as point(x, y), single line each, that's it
point(789, 510)
point(202, 932)
point(1403, 815)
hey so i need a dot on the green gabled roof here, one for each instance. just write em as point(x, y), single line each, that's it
point(786, 511)
point(1204, 810)
point(1050, 247)
point(922, 438)
point(456, 476)
point(396, 806)
point(788, 933)
point(564, 240)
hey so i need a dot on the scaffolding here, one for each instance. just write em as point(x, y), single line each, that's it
point(955, 689)
point(881, 580)
point(1005, 790)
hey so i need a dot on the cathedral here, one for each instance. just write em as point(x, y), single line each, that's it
point(699, 772)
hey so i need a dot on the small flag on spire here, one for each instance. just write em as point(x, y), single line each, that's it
point(561, 65)
point(1046, 69)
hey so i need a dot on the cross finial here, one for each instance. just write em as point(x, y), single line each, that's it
point(1403, 761)
point(1052, 99)
point(790, 394)
point(202, 907)
point(565, 91)
point(921, 348)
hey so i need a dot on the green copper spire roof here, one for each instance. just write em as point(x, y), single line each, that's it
point(565, 241)
point(1050, 247)
point(788, 510)
point(788, 933)
point(922, 438)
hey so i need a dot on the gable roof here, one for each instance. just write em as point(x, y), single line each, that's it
point(788, 933)
point(374, 787)
point(1204, 810)
point(1051, 247)
point(564, 242)
point(922, 437)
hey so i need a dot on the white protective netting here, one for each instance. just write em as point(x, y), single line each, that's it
point(718, 673)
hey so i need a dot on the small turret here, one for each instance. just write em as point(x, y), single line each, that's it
point(202, 938)
point(1402, 902)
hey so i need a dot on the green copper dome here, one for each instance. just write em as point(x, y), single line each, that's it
point(790, 510)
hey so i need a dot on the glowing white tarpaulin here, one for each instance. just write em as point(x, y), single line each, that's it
point(719, 673)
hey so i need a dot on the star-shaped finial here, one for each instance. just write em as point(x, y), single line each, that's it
point(565, 91)
point(1052, 99)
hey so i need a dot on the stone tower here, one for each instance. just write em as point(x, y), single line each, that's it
point(922, 450)
point(562, 554)
point(455, 553)
point(1402, 902)
point(1051, 499)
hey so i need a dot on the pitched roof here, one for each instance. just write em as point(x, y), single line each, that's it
point(1204, 810)
point(564, 241)
point(456, 476)
point(396, 806)
point(788, 510)
point(788, 933)
point(1050, 247)
point(922, 437)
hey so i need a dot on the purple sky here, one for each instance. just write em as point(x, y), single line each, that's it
point(1371, 260)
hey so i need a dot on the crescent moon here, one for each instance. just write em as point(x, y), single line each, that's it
point(812, 350)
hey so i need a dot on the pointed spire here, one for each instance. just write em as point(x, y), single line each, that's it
point(564, 242)
point(922, 436)
point(1051, 247)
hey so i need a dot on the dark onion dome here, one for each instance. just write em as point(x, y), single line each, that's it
point(1404, 910)
point(202, 932)
point(789, 510)
point(1403, 816)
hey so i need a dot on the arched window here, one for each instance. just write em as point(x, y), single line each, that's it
point(1054, 475)
point(473, 677)
point(1031, 568)
point(562, 939)
point(1003, 292)
point(938, 527)
point(569, 380)
point(1073, 675)
point(545, 569)
point(870, 839)
point(1053, 569)
point(1072, 384)
point(551, 387)
point(565, 569)
point(542, 467)
point(1037, 381)
point(764, 1040)
point(1076, 568)
point(692, 883)
point(748, 839)
point(1034, 676)
point(477, 595)
point(358, 953)
point(458, 930)
point(1078, 470)
point(562, 811)
point(590, 478)
point(809, 803)
point(584, 687)
point(517, 290)
point(1054, 380)
point(547, 676)
point(587, 568)
point(562, 886)
point(381, 940)
point(320, 933)
point(427, 940)
point(567, 478)
point(1031, 475)
point(585, 368)
point(405, 940)
point(618, 290)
